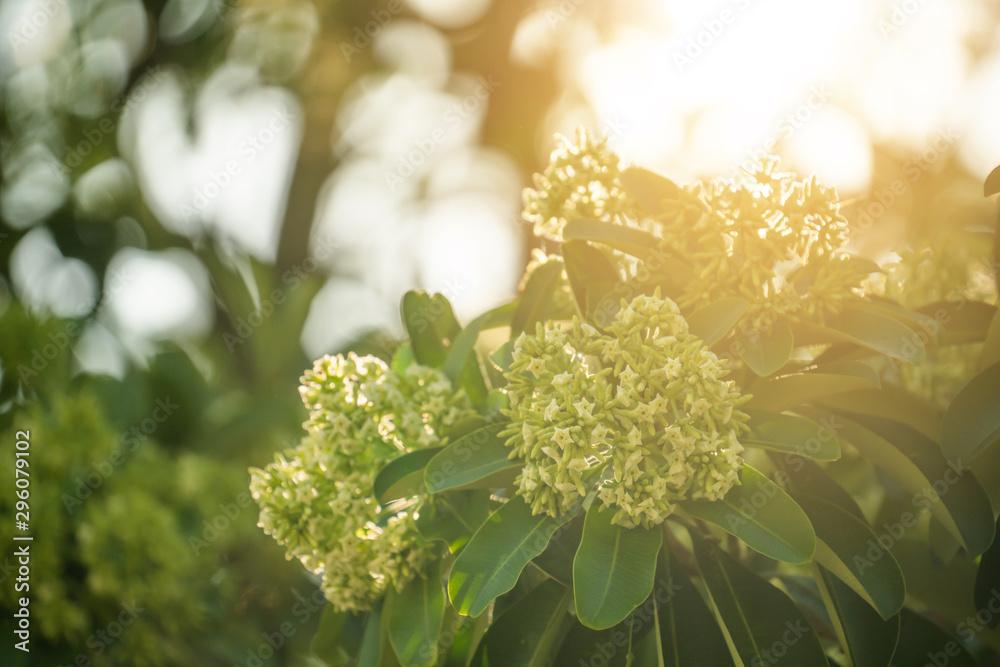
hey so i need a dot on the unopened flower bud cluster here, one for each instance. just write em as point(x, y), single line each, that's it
point(642, 412)
point(316, 499)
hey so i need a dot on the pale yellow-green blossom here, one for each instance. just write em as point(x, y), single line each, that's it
point(316, 499)
point(641, 412)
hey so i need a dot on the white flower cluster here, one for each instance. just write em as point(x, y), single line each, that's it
point(642, 412)
point(316, 499)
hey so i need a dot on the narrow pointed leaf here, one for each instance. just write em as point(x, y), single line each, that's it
point(757, 616)
point(972, 422)
point(474, 457)
point(948, 490)
point(403, 477)
point(689, 633)
point(791, 434)
point(762, 515)
point(880, 333)
point(867, 639)
point(804, 476)
point(766, 352)
point(843, 541)
point(789, 391)
point(711, 323)
point(631, 241)
point(892, 403)
point(491, 562)
point(613, 569)
point(414, 617)
point(591, 274)
point(529, 632)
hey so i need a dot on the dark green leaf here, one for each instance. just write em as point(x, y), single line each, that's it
point(891, 403)
point(972, 422)
point(454, 522)
point(804, 476)
point(712, 322)
point(403, 477)
point(326, 643)
point(921, 642)
point(375, 650)
point(591, 274)
point(529, 632)
point(414, 617)
point(845, 546)
point(762, 515)
point(689, 633)
point(465, 342)
point(789, 391)
point(535, 301)
point(988, 581)
point(491, 562)
point(766, 352)
point(960, 321)
point(791, 434)
point(991, 349)
point(477, 456)
point(948, 490)
point(763, 624)
point(613, 569)
point(867, 639)
point(649, 187)
point(557, 559)
point(420, 315)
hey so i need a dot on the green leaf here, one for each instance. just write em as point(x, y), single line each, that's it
point(414, 617)
point(689, 633)
point(789, 391)
point(535, 301)
point(762, 515)
point(972, 422)
point(477, 456)
point(649, 187)
point(326, 643)
point(948, 490)
point(403, 477)
point(611, 647)
point(791, 434)
point(528, 633)
point(465, 342)
point(491, 562)
point(880, 333)
point(765, 353)
point(842, 543)
point(960, 321)
point(867, 639)
point(631, 241)
point(711, 323)
point(591, 274)
point(891, 403)
point(557, 559)
point(921, 642)
point(988, 580)
point(991, 349)
point(613, 569)
point(759, 619)
point(991, 185)
point(455, 522)
point(420, 315)
point(503, 356)
point(375, 650)
point(804, 476)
